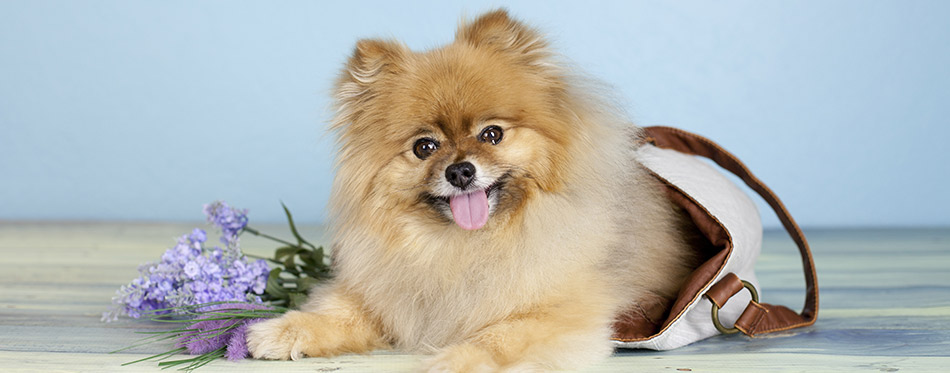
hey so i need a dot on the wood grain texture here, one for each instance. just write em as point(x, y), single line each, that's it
point(885, 305)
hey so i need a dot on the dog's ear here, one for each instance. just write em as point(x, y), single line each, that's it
point(372, 58)
point(498, 30)
point(371, 61)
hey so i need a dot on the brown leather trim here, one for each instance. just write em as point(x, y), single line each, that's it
point(751, 316)
point(632, 325)
point(720, 293)
point(768, 318)
point(776, 318)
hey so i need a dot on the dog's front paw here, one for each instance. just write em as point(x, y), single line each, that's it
point(294, 335)
point(273, 339)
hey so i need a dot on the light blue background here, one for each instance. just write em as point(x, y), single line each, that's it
point(126, 110)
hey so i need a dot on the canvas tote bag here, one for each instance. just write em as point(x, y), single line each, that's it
point(722, 294)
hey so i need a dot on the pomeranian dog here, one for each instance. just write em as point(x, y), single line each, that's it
point(488, 208)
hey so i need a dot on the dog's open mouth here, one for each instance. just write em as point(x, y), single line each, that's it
point(469, 210)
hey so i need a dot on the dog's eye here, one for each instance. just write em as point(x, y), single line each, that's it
point(424, 147)
point(491, 134)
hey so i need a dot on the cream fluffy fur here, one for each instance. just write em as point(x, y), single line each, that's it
point(578, 230)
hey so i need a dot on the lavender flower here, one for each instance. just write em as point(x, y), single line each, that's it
point(237, 344)
point(192, 279)
point(229, 333)
point(230, 220)
point(191, 273)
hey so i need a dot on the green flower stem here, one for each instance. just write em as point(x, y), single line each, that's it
point(261, 257)
point(195, 362)
point(158, 356)
point(267, 236)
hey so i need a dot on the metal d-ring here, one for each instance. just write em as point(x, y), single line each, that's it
point(715, 310)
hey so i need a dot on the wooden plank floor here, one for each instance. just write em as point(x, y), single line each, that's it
point(885, 305)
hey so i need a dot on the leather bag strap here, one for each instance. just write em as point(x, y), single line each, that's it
point(758, 318)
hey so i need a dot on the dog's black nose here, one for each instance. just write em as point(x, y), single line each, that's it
point(460, 174)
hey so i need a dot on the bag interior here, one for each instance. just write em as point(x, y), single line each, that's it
point(713, 245)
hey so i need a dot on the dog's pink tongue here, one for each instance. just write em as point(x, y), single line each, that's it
point(470, 211)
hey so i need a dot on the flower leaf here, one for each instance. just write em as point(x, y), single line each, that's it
point(320, 258)
point(307, 283)
point(285, 251)
point(297, 299)
point(308, 258)
point(274, 288)
point(293, 227)
point(291, 266)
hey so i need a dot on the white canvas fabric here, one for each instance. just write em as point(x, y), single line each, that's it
point(728, 204)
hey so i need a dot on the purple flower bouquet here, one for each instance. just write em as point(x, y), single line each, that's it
point(218, 291)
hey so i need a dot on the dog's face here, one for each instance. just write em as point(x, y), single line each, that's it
point(467, 133)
